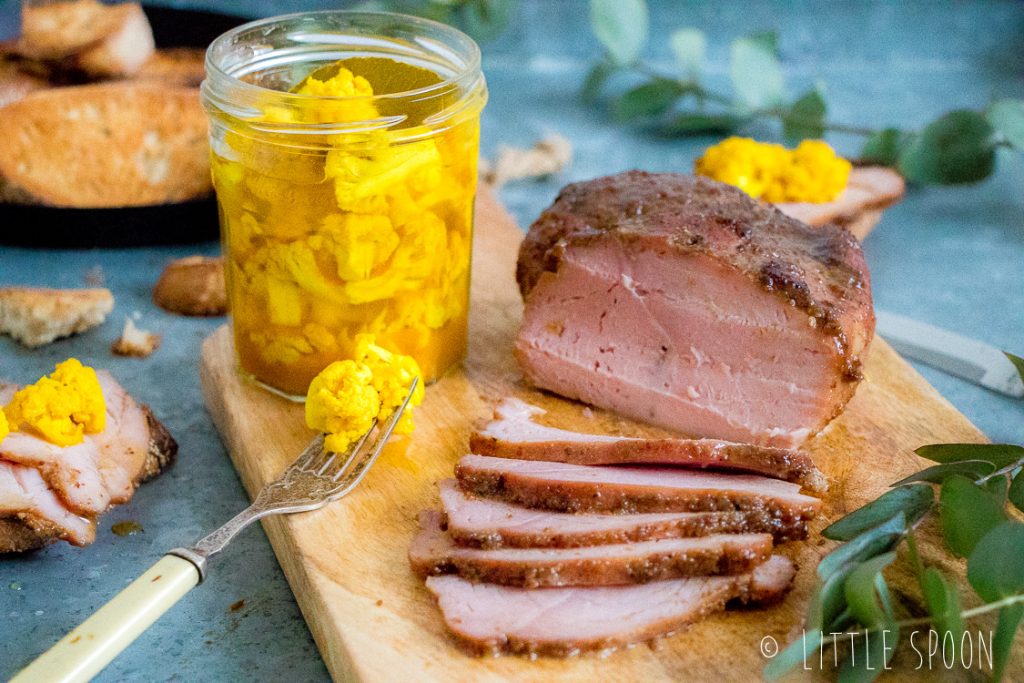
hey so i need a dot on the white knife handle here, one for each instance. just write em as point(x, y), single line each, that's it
point(85, 651)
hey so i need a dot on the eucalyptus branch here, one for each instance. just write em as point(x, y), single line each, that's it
point(1001, 472)
point(957, 147)
point(966, 614)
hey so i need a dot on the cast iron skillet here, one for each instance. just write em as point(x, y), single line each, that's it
point(192, 221)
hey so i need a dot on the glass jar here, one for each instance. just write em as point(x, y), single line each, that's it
point(344, 154)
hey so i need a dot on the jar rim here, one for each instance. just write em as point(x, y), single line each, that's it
point(456, 42)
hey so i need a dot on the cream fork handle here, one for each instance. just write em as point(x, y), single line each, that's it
point(84, 652)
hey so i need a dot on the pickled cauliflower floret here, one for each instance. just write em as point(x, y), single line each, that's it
point(346, 397)
point(810, 173)
point(63, 407)
point(5, 429)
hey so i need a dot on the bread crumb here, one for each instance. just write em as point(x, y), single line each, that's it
point(547, 157)
point(36, 316)
point(193, 286)
point(135, 342)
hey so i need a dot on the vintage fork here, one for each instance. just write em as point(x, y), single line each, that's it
point(316, 478)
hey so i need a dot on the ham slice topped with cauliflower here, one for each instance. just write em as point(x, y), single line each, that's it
point(72, 445)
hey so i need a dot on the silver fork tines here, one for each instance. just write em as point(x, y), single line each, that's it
point(316, 478)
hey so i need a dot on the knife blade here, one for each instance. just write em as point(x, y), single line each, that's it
point(950, 352)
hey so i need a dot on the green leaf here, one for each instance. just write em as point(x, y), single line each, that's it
point(595, 80)
point(999, 454)
point(1016, 492)
point(996, 566)
point(1018, 363)
point(968, 512)
point(959, 147)
point(914, 501)
point(998, 486)
point(621, 26)
point(870, 659)
point(700, 124)
point(972, 469)
point(485, 20)
point(1007, 117)
point(649, 99)
point(795, 653)
point(861, 594)
point(943, 600)
point(689, 46)
point(884, 147)
point(1003, 639)
point(756, 74)
point(805, 118)
point(867, 594)
point(870, 543)
point(769, 40)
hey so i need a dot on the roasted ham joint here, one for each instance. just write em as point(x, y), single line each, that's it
point(57, 476)
point(686, 304)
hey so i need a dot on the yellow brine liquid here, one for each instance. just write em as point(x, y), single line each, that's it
point(353, 230)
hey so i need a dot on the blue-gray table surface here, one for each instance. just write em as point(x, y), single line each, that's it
point(950, 256)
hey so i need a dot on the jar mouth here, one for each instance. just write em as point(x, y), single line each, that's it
point(287, 41)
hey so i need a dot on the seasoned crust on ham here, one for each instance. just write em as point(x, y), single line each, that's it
point(820, 271)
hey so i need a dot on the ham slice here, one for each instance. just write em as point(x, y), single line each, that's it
point(433, 552)
point(29, 510)
point(102, 470)
point(493, 619)
point(869, 188)
point(580, 488)
point(488, 523)
point(687, 304)
point(73, 472)
point(125, 443)
point(514, 434)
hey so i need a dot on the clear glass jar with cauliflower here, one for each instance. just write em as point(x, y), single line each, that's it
point(346, 205)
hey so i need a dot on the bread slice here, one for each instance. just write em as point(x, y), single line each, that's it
point(105, 145)
point(125, 50)
point(36, 317)
point(174, 66)
point(103, 40)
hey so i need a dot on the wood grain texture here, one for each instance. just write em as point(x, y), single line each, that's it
point(373, 620)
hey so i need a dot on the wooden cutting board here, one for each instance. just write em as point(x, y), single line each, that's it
point(373, 620)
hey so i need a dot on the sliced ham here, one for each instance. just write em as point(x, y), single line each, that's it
point(514, 434)
point(869, 188)
point(581, 488)
point(685, 303)
point(488, 523)
point(125, 443)
point(433, 552)
point(29, 510)
point(493, 619)
point(73, 472)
